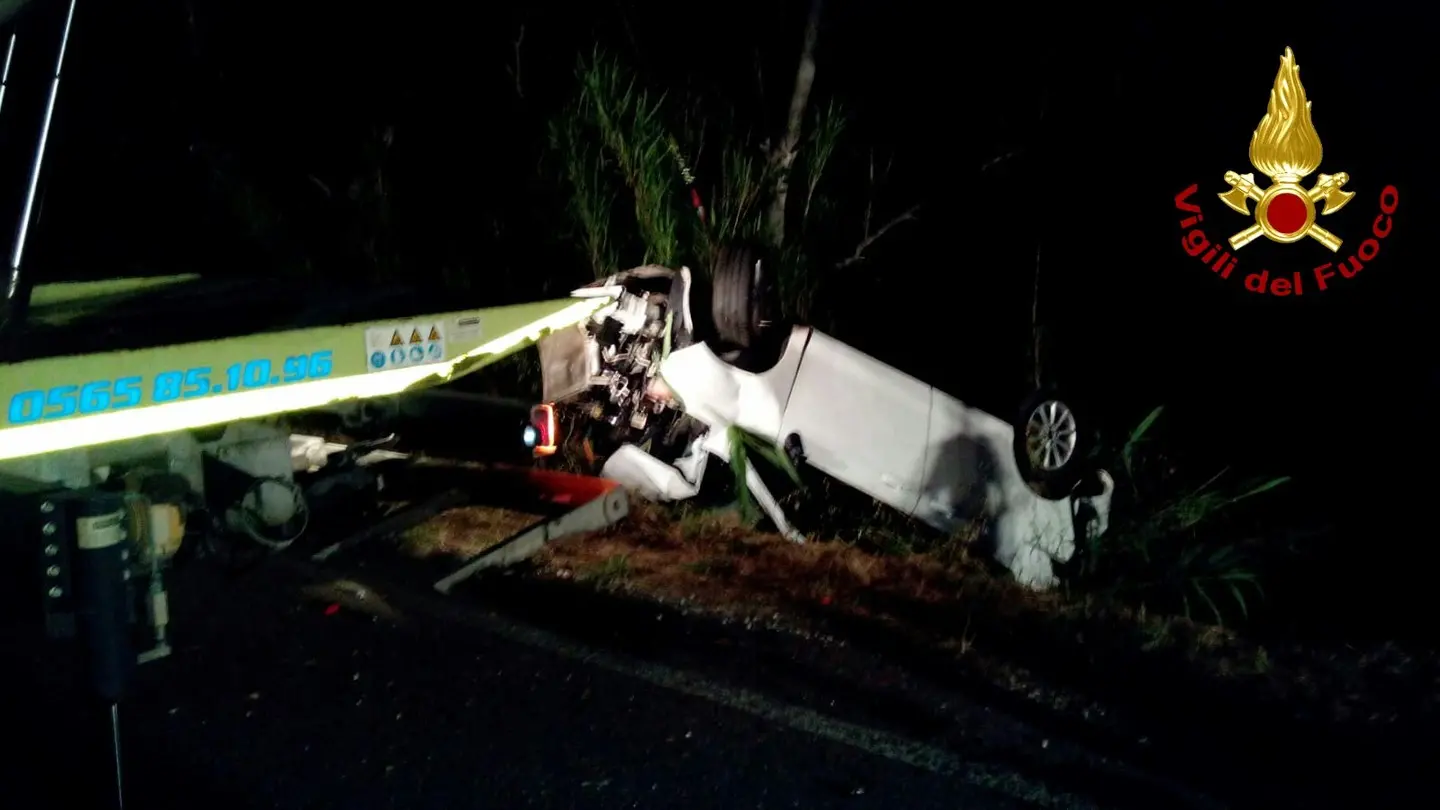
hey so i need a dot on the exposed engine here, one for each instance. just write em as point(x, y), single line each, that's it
point(627, 341)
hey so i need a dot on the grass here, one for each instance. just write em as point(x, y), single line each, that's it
point(1023, 640)
point(745, 446)
point(617, 150)
point(690, 551)
point(592, 199)
point(635, 161)
point(463, 532)
point(610, 573)
point(1172, 545)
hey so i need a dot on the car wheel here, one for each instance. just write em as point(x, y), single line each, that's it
point(1050, 445)
point(743, 296)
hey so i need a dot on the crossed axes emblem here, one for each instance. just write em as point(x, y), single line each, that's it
point(1294, 200)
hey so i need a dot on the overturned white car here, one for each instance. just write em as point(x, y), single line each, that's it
point(677, 361)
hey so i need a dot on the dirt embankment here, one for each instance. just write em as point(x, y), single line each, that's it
point(710, 561)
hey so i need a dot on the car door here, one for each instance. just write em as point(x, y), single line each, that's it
point(969, 464)
point(860, 421)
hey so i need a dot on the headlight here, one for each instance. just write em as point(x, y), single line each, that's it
point(542, 435)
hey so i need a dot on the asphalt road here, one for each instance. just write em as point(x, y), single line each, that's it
point(272, 701)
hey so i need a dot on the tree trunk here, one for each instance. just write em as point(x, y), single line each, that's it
point(782, 154)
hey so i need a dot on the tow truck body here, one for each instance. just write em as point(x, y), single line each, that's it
point(70, 393)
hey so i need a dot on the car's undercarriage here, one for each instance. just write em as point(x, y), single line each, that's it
point(618, 397)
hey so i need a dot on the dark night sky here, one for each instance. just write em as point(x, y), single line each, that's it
point(1112, 113)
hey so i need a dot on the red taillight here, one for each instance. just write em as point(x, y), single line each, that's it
point(547, 431)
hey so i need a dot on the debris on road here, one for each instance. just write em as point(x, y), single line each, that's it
point(352, 596)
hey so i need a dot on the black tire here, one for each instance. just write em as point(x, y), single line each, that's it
point(743, 296)
point(1051, 471)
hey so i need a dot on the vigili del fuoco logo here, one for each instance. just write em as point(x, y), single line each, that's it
point(1285, 149)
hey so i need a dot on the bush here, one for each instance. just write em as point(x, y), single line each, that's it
point(1175, 545)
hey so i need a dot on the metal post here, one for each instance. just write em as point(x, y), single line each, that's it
point(104, 598)
point(5, 76)
point(16, 298)
point(115, 749)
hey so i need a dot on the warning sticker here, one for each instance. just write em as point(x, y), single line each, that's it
point(387, 348)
